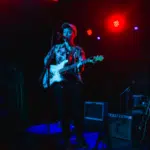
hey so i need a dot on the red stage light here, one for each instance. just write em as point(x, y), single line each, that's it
point(89, 32)
point(115, 23)
point(55, 0)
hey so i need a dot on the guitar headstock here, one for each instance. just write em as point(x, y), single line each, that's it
point(96, 58)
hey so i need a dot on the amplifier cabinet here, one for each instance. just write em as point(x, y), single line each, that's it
point(95, 110)
point(120, 126)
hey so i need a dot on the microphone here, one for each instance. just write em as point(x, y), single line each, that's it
point(59, 36)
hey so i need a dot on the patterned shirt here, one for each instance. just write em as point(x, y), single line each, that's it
point(58, 54)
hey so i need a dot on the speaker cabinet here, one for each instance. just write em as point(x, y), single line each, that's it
point(11, 90)
point(120, 126)
point(95, 110)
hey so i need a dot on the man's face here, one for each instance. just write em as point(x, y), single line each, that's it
point(68, 33)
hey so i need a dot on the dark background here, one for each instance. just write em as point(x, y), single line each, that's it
point(27, 30)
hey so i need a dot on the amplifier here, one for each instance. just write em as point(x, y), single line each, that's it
point(120, 126)
point(95, 110)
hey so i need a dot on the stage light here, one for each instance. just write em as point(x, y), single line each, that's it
point(136, 28)
point(89, 32)
point(98, 38)
point(115, 23)
point(52, 1)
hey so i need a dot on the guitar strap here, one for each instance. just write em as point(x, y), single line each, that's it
point(73, 52)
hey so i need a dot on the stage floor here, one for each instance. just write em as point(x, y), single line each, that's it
point(48, 137)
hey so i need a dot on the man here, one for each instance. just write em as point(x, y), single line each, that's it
point(68, 93)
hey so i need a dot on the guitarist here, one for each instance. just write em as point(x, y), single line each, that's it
point(68, 93)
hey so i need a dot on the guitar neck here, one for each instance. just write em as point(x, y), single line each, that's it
point(147, 109)
point(73, 66)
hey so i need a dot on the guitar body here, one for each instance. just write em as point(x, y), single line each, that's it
point(54, 74)
point(54, 71)
point(143, 127)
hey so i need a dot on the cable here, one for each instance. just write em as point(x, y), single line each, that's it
point(52, 40)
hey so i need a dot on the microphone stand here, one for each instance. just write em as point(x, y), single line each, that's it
point(128, 89)
point(48, 63)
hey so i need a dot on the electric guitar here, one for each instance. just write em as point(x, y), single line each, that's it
point(143, 125)
point(56, 71)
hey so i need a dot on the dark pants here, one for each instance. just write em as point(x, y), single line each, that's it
point(70, 106)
